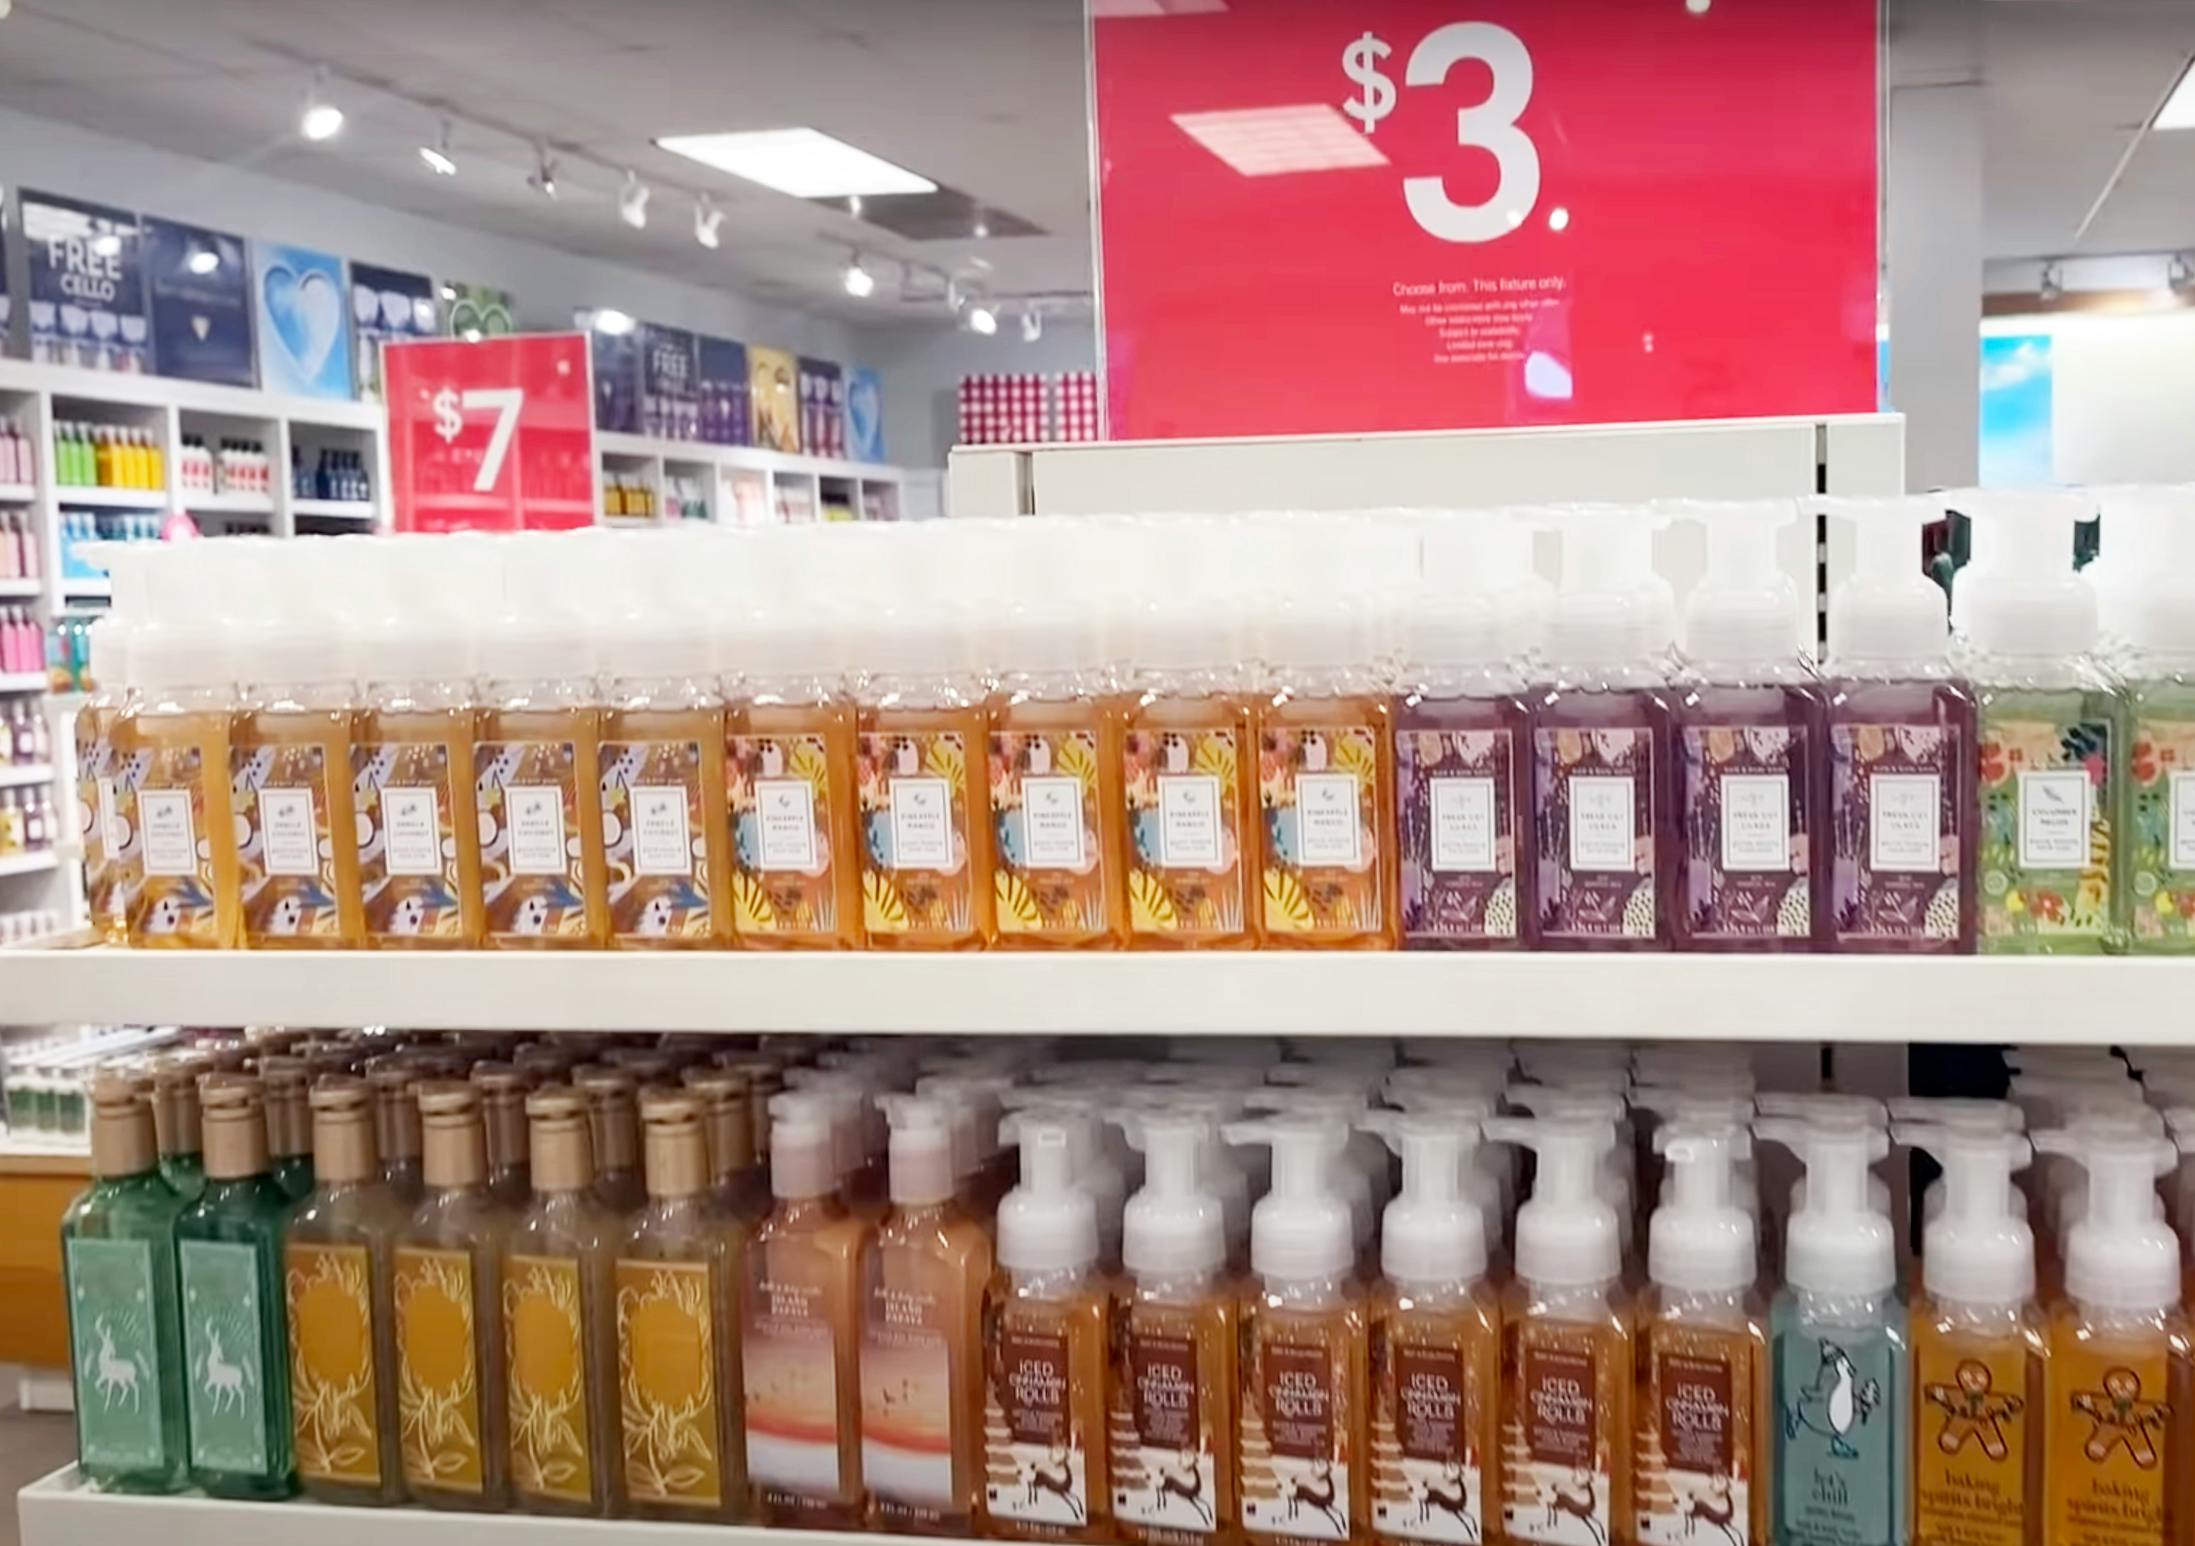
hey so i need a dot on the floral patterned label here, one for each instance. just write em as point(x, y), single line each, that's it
point(653, 818)
point(332, 1374)
point(532, 870)
point(285, 850)
point(1318, 789)
point(547, 1359)
point(666, 1372)
point(1185, 822)
point(2161, 853)
point(1596, 832)
point(914, 827)
point(2046, 828)
point(438, 1369)
point(779, 787)
point(1894, 823)
point(1050, 877)
point(1745, 837)
point(121, 836)
point(94, 802)
point(1456, 821)
point(166, 818)
point(407, 839)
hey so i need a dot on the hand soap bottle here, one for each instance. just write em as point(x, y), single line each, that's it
point(737, 1191)
point(289, 1124)
point(1174, 1378)
point(1436, 1345)
point(125, 1331)
point(923, 1277)
point(503, 1088)
point(1566, 1345)
point(2052, 727)
point(113, 869)
point(340, 1259)
point(1978, 1389)
point(613, 1119)
point(1843, 1456)
point(1047, 1338)
point(2155, 621)
point(1750, 732)
point(1704, 1412)
point(1305, 1464)
point(2121, 1373)
point(1902, 823)
point(800, 1331)
point(178, 1122)
point(395, 1085)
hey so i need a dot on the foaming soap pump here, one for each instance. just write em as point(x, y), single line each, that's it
point(1306, 1371)
point(1703, 1356)
point(1749, 746)
point(1901, 824)
point(1173, 1414)
point(1566, 1344)
point(1435, 1386)
point(1837, 1338)
point(1977, 1346)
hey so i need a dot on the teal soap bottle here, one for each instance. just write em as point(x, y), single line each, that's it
point(1841, 1473)
point(236, 1352)
point(125, 1342)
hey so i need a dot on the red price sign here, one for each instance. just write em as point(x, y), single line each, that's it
point(496, 435)
point(1438, 214)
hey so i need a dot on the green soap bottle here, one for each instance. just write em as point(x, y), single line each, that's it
point(118, 1262)
point(228, 1248)
point(2151, 619)
point(176, 1122)
point(289, 1124)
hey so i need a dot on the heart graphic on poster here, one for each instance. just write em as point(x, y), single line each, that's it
point(201, 325)
point(306, 313)
point(864, 414)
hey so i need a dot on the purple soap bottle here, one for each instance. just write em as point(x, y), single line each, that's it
point(1751, 785)
point(1603, 771)
point(1902, 817)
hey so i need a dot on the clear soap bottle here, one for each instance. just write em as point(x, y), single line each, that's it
point(235, 1331)
point(289, 1124)
point(339, 1259)
point(125, 1327)
point(737, 1190)
point(560, 1320)
point(613, 1116)
point(394, 1081)
point(503, 1089)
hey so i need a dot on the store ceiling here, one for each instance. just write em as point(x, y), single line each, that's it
point(982, 96)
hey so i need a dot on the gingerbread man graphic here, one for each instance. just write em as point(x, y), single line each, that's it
point(2121, 1417)
point(1972, 1411)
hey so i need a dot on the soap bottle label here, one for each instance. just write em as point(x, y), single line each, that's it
point(1457, 827)
point(1745, 831)
point(1839, 1454)
point(1557, 1488)
point(438, 1397)
point(2161, 848)
point(285, 855)
point(1185, 822)
point(652, 844)
point(178, 895)
point(1044, 816)
point(532, 874)
point(909, 1398)
point(117, 1354)
point(1426, 1467)
point(225, 1363)
point(1295, 1464)
point(1970, 1486)
point(2046, 828)
point(780, 798)
point(914, 819)
point(545, 1339)
point(1596, 863)
point(1894, 817)
point(94, 805)
point(332, 1373)
point(666, 1372)
point(1694, 1467)
point(407, 839)
point(789, 1360)
point(1031, 1435)
point(1317, 788)
point(2110, 1420)
point(1164, 1476)
point(121, 829)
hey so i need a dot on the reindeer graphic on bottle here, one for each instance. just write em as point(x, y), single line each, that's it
point(224, 1361)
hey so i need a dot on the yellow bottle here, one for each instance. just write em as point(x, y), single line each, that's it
point(926, 833)
point(113, 868)
point(1056, 810)
point(416, 828)
point(290, 782)
point(105, 463)
point(173, 799)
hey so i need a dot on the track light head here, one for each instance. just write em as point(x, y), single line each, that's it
point(632, 202)
point(1032, 325)
point(2052, 287)
point(322, 119)
point(543, 177)
point(707, 219)
point(859, 282)
point(437, 155)
point(982, 319)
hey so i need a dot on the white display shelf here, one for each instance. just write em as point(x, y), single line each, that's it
point(20, 775)
point(87, 496)
point(1756, 998)
point(21, 590)
point(23, 681)
point(70, 385)
point(28, 864)
point(90, 590)
point(363, 510)
point(17, 493)
point(229, 503)
point(699, 453)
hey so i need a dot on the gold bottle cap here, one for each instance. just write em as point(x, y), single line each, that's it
point(765, 1076)
point(344, 1151)
point(122, 1142)
point(561, 1139)
point(647, 1065)
point(545, 1060)
point(395, 1112)
point(503, 1088)
point(609, 1093)
point(175, 1102)
point(456, 1147)
point(235, 1125)
point(728, 1112)
point(289, 1119)
point(677, 1145)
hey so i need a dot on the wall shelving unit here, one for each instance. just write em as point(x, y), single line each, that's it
point(747, 485)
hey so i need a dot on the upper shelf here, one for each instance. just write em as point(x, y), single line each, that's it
point(1752, 998)
point(71, 383)
point(702, 453)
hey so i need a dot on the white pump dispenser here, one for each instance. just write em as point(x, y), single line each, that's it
point(2122, 1255)
point(1888, 616)
point(1301, 1230)
point(2020, 596)
point(803, 1146)
point(1080, 1113)
point(1049, 1222)
point(1978, 1249)
point(1702, 1239)
point(1612, 616)
point(1839, 1241)
point(921, 1148)
point(1434, 1232)
point(1174, 1227)
point(1567, 1233)
point(1360, 1172)
point(1744, 615)
point(1617, 1181)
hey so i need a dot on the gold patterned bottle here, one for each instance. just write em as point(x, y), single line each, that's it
point(665, 835)
point(678, 1362)
point(340, 1259)
point(560, 1321)
point(172, 742)
point(1055, 804)
point(413, 812)
point(925, 827)
point(290, 788)
point(113, 869)
point(449, 1316)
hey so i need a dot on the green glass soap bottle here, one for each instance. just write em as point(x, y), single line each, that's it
point(2151, 618)
point(235, 1332)
point(118, 1258)
point(175, 1122)
point(289, 1124)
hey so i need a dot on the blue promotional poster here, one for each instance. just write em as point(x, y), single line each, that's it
point(668, 407)
point(199, 286)
point(720, 380)
point(304, 334)
point(864, 415)
point(86, 293)
point(388, 303)
point(616, 380)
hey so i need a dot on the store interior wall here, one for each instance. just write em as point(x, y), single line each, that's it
point(922, 367)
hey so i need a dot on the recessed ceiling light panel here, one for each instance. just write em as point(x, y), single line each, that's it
point(2179, 109)
point(806, 163)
